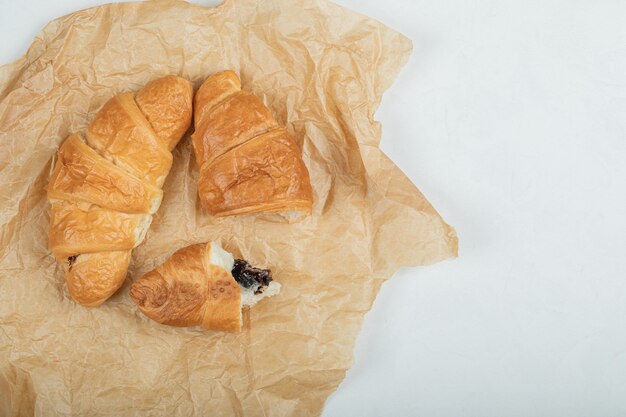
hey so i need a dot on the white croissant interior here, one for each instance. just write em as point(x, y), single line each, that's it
point(219, 257)
point(249, 298)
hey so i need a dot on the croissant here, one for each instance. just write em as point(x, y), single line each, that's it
point(104, 192)
point(203, 285)
point(248, 163)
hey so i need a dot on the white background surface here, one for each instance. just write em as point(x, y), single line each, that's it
point(511, 119)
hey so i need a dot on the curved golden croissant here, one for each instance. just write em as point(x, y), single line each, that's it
point(105, 191)
point(202, 285)
point(248, 163)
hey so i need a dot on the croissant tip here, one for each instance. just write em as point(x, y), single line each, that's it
point(137, 295)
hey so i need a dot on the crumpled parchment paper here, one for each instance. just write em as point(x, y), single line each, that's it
point(321, 69)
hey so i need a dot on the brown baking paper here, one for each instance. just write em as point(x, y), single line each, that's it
point(321, 69)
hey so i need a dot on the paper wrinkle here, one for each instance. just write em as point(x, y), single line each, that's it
point(322, 70)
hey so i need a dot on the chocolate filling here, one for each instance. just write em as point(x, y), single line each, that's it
point(71, 260)
point(250, 277)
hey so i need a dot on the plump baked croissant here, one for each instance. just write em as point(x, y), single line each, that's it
point(202, 285)
point(104, 192)
point(248, 163)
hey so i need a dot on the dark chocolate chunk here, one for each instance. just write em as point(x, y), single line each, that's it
point(248, 276)
point(71, 260)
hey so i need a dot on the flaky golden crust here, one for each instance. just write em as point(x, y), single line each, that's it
point(187, 290)
point(170, 117)
point(232, 122)
point(103, 198)
point(80, 174)
point(121, 132)
point(92, 278)
point(265, 174)
point(247, 162)
point(86, 228)
point(214, 90)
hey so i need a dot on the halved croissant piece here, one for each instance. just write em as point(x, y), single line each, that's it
point(105, 191)
point(248, 163)
point(202, 285)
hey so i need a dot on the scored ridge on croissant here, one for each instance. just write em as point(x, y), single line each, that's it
point(104, 191)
